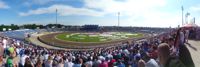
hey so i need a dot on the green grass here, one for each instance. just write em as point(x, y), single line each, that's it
point(78, 37)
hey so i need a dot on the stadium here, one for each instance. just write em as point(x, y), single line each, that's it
point(88, 40)
point(99, 33)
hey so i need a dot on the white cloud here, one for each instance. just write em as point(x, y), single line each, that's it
point(139, 12)
point(194, 12)
point(153, 19)
point(195, 8)
point(126, 7)
point(3, 5)
point(63, 10)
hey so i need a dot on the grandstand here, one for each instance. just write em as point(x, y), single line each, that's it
point(90, 28)
point(19, 34)
point(99, 33)
point(39, 37)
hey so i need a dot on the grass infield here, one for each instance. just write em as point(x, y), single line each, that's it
point(97, 37)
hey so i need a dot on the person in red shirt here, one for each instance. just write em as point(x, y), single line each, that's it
point(154, 53)
point(112, 61)
point(103, 64)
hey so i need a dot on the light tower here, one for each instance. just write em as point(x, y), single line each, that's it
point(182, 9)
point(56, 15)
point(118, 18)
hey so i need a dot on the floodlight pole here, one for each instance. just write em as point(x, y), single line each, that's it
point(182, 9)
point(118, 18)
point(56, 15)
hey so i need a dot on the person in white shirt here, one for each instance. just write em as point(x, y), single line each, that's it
point(187, 32)
point(22, 59)
point(46, 56)
point(60, 64)
point(152, 63)
point(68, 63)
point(49, 62)
point(89, 63)
point(5, 43)
point(182, 37)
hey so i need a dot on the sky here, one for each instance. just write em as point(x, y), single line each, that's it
point(144, 13)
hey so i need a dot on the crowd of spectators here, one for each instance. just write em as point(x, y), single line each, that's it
point(166, 50)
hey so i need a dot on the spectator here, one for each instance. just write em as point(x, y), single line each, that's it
point(15, 59)
point(2, 61)
point(182, 36)
point(89, 62)
point(77, 63)
point(165, 59)
point(5, 42)
point(141, 63)
point(49, 62)
point(9, 62)
point(154, 52)
point(151, 62)
point(112, 61)
point(120, 63)
point(103, 63)
point(28, 63)
point(60, 64)
point(1, 55)
point(1, 50)
point(96, 62)
point(185, 56)
point(38, 63)
point(68, 63)
point(187, 33)
point(23, 58)
point(183, 53)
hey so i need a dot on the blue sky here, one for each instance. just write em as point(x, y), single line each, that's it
point(151, 13)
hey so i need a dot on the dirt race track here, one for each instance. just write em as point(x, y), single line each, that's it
point(51, 40)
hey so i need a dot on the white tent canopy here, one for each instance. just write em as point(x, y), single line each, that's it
point(190, 25)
